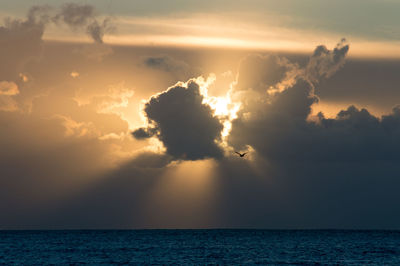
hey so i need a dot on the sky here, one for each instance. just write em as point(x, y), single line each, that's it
point(127, 114)
point(371, 25)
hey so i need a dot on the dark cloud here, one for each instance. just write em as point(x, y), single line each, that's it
point(281, 126)
point(166, 63)
point(287, 135)
point(271, 120)
point(324, 62)
point(312, 172)
point(144, 133)
point(184, 124)
point(39, 14)
point(178, 68)
point(77, 16)
point(74, 15)
point(21, 39)
point(364, 82)
point(97, 30)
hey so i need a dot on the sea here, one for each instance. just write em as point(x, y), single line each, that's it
point(200, 247)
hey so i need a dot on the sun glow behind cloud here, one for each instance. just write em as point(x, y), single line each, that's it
point(223, 106)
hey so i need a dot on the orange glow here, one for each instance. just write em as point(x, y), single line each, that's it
point(225, 32)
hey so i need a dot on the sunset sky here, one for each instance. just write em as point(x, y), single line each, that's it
point(127, 114)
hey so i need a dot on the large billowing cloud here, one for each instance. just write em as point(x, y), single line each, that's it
point(281, 127)
point(261, 126)
point(186, 126)
point(282, 130)
point(312, 171)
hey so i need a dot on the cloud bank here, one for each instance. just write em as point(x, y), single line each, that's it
point(303, 170)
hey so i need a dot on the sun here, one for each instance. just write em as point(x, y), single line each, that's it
point(219, 105)
point(223, 107)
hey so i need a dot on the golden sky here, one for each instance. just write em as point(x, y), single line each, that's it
point(128, 114)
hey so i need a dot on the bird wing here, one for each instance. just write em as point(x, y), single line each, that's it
point(237, 152)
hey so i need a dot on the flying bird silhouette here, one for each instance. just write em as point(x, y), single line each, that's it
point(241, 154)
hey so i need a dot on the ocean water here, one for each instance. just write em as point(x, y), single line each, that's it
point(200, 247)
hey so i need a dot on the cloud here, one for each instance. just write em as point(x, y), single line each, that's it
point(77, 129)
point(324, 62)
point(39, 14)
point(311, 172)
point(8, 88)
point(277, 96)
point(363, 82)
point(57, 104)
point(185, 125)
point(280, 126)
point(302, 171)
point(144, 133)
point(21, 41)
point(180, 69)
point(77, 16)
point(166, 63)
point(97, 30)
point(8, 104)
point(51, 152)
point(116, 97)
point(265, 122)
point(23, 48)
point(260, 72)
point(7, 91)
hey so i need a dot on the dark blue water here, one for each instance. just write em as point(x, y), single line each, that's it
point(200, 247)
